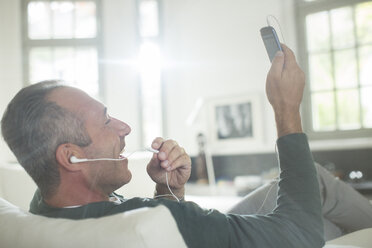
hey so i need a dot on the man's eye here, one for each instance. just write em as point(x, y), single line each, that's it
point(108, 120)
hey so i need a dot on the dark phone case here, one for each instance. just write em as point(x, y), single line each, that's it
point(271, 41)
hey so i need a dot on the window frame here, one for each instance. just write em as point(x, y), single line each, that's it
point(158, 39)
point(302, 9)
point(28, 44)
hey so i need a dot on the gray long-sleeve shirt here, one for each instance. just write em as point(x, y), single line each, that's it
point(295, 222)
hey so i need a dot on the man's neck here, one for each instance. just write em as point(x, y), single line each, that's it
point(75, 196)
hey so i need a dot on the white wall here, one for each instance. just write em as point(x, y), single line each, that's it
point(211, 47)
point(119, 71)
point(10, 60)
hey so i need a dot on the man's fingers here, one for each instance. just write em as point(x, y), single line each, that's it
point(290, 57)
point(175, 153)
point(277, 65)
point(286, 50)
point(165, 148)
point(176, 158)
point(156, 144)
point(182, 162)
point(171, 155)
point(171, 158)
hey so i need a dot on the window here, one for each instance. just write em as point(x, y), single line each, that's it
point(150, 66)
point(61, 42)
point(337, 56)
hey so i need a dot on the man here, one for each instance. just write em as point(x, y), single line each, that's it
point(46, 124)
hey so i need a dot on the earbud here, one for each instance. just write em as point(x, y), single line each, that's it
point(75, 160)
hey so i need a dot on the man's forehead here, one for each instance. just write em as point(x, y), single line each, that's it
point(75, 100)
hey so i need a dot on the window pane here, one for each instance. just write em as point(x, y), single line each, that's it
point(85, 20)
point(345, 68)
point(38, 14)
point(367, 106)
point(364, 22)
point(150, 72)
point(78, 66)
point(348, 109)
point(62, 19)
point(323, 111)
point(342, 27)
point(41, 64)
point(149, 26)
point(320, 71)
point(87, 70)
point(317, 31)
point(64, 63)
point(365, 65)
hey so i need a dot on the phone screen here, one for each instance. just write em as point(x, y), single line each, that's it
point(271, 41)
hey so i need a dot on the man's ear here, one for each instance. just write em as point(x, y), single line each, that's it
point(63, 154)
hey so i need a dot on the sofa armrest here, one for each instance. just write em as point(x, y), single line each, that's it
point(16, 185)
point(144, 227)
point(358, 239)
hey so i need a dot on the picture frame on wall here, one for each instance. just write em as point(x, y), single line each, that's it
point(235, 123)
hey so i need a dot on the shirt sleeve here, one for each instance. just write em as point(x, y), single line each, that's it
point(296, 221)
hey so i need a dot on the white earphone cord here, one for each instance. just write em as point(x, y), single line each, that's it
point(276, 20)
point(274, 183)
point(166, 176)
point(73, 159)
point(171, 192)
point(105, 159)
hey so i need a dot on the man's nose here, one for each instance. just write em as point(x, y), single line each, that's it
point(122, 128)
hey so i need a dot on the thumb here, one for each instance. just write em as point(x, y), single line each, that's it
point(277, 64)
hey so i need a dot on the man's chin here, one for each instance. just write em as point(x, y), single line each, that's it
point(128, 177)
point(124, 180)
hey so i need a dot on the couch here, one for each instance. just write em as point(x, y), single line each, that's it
point(147, 227)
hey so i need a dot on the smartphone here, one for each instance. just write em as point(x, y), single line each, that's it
point(271, 41)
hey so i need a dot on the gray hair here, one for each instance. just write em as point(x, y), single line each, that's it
point(33, 127)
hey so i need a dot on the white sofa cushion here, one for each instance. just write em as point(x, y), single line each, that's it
point(145, 227)
point(358, 239)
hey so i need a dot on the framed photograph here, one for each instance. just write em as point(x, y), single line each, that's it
point(234, 123)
